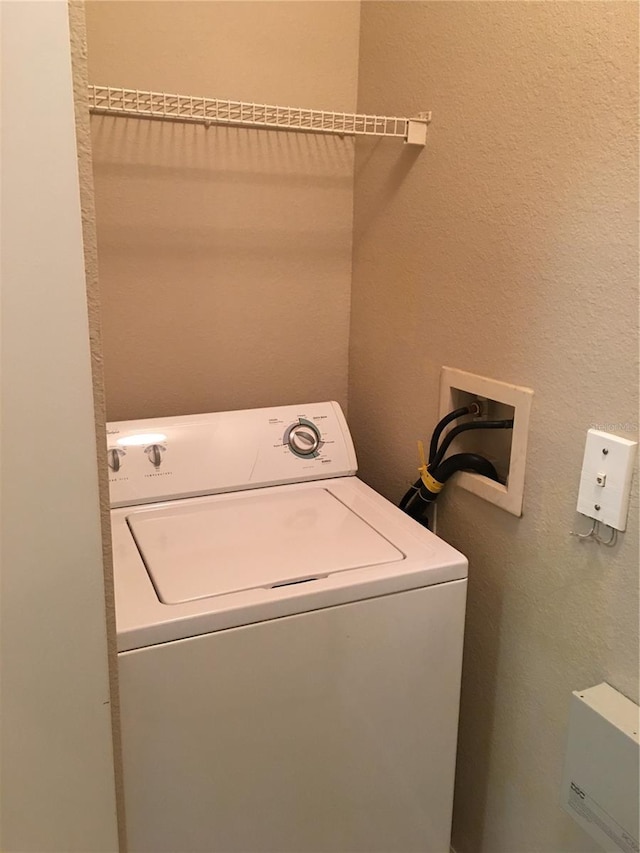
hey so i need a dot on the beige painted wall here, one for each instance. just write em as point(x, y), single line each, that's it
point(508, 247)
point(224, 254)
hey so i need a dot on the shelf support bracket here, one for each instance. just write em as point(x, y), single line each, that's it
point(417, 129)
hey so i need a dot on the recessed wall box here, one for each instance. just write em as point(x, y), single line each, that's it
point(507, 449)
point(600, 784)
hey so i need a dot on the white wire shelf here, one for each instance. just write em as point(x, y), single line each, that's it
point(107, 100)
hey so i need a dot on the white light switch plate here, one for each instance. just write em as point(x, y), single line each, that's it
point(605, 481)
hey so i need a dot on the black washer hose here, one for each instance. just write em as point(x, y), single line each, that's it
point(474, 408)
point(422, 497)
point(438, 457)
point(455, 432)
point(465, 462)
point(410, 493)
point(446, 420)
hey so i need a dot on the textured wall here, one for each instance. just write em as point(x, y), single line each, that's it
point(508, 247)
point(225, 254)
point(77, 28)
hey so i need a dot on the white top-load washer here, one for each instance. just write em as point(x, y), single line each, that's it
point(290, 643)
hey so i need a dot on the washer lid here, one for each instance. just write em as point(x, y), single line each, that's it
point(257, 541)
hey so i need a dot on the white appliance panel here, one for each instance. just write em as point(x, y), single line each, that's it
point(165, 458)
point(226, 546)
point(324, 732)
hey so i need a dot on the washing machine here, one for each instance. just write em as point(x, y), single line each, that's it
point(289, 642)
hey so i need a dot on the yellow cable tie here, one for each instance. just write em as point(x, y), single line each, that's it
point(429, 481)
point(423, 461)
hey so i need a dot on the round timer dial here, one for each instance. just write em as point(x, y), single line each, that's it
point(303, 438)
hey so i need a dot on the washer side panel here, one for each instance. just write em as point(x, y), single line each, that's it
point(323, 732)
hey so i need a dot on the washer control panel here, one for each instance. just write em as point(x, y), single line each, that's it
point(167, 458)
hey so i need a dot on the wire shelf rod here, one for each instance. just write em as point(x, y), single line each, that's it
point(135, 103)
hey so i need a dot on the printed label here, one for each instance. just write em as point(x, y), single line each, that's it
point(587, 808)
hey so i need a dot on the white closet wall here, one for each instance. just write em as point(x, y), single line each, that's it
point(57, 765)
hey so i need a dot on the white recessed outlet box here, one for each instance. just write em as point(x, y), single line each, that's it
point(600, 783)
point(506, 449)
point(605, 481)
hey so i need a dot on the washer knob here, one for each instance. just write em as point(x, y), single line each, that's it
point(304, 439)
point(154, 452)
point(113, 458)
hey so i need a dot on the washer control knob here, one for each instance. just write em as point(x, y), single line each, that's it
point(304, 439)
point(114, 455)
point(154, 452)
